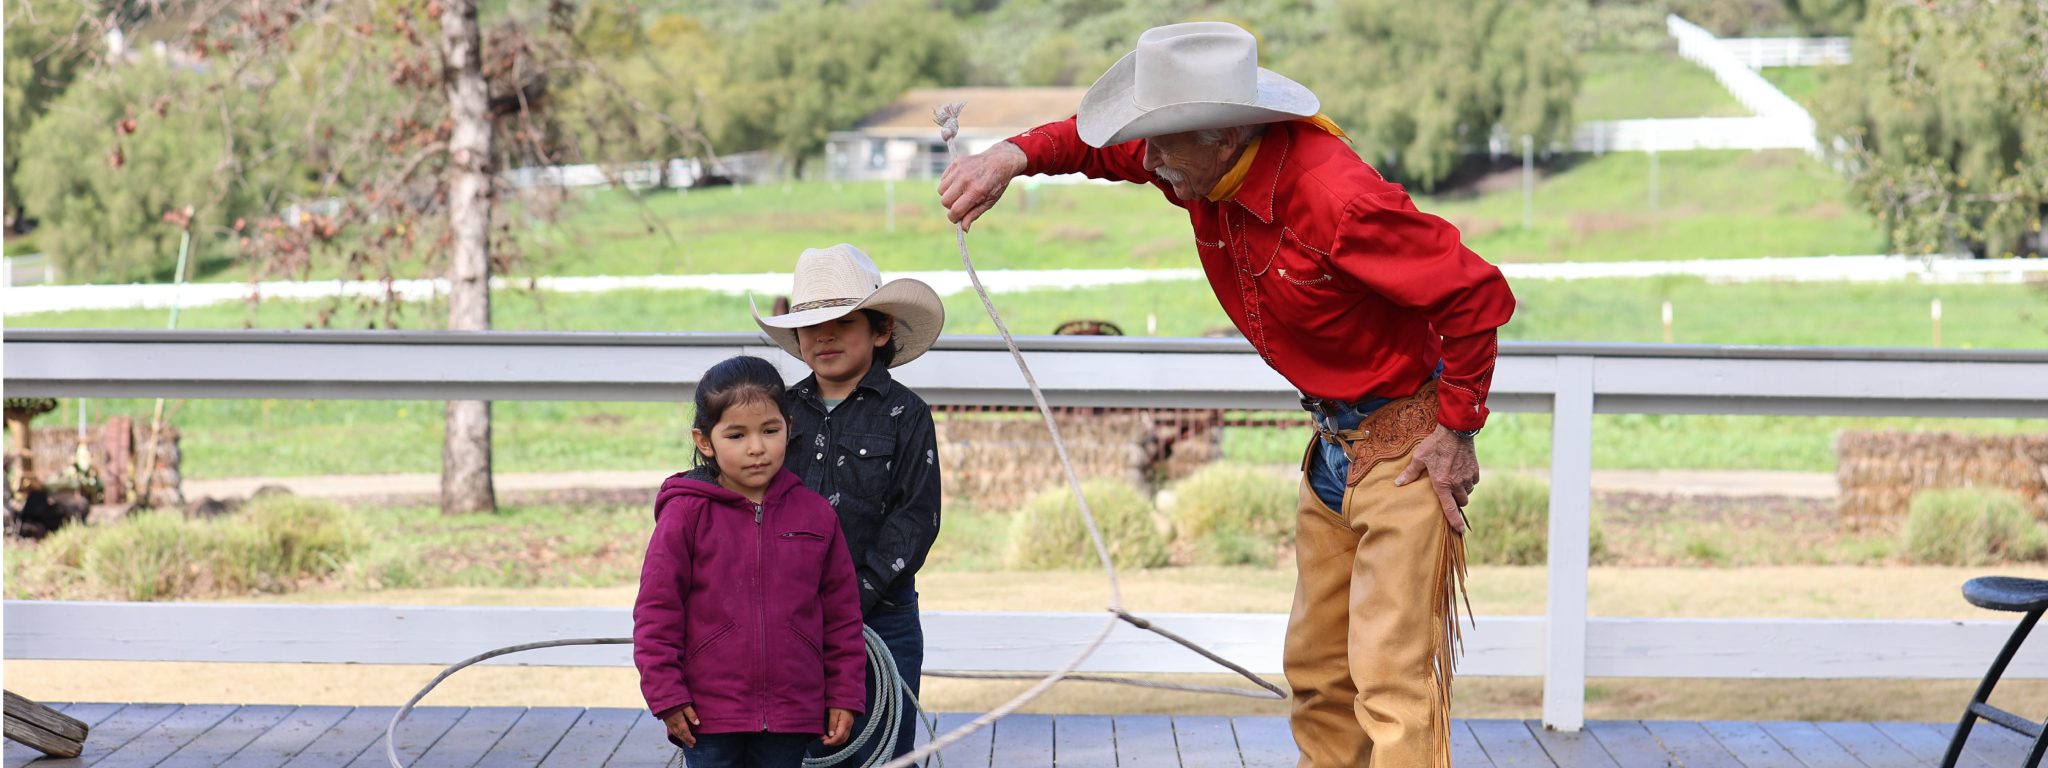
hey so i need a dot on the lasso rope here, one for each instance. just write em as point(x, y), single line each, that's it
point(948, 119)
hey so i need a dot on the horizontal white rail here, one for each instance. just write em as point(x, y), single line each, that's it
point(1692, 133)
point(1761, 52)
point(1508, 646)
point(1759, 95)
point(1078, 371)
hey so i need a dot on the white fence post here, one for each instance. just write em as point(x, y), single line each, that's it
point(1571, 498)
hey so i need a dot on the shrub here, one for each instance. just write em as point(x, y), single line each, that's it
point(1048, 534)
point(1509, 521)
point(1971, 526)
point(271, 546)
point(1235, 514)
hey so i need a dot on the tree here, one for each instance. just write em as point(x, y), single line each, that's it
point(466, 444)
point(1942, 119)
point(128, 144)
point(672, 80)
point(1826, 17)
point(386, 121)
point(43, 53)
point(806, 71)
point(1423, 86)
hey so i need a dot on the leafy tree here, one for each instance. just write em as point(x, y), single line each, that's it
point(1943, 123)
point(123, 148)
point(43, 54)
point(389, 119)
point(804, 72)
point(1826, 17)
point(1421, 86)
point(668, 84)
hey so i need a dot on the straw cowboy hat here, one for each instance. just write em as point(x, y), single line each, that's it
point(834, 282)
point(1189, 77)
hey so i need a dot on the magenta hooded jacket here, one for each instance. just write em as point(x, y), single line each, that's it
point(750, 614)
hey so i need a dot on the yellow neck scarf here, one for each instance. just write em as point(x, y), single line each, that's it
point(1226, 187)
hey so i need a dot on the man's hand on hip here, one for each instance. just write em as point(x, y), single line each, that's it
point(973, 184)
point(1453, 468)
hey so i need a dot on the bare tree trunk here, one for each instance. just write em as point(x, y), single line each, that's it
point(466, 447)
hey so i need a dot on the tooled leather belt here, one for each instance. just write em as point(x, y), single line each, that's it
point(1391, 430)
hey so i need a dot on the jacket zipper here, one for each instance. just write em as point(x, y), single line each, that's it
point(760, 614)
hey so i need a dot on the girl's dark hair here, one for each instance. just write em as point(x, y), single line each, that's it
point(733, 382)
point(878, 321)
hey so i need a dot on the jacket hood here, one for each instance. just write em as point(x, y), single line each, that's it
point(702, 484)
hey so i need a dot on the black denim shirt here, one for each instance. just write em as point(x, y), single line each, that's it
point(876, 459)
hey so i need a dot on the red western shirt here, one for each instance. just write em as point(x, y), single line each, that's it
point(1335, 278)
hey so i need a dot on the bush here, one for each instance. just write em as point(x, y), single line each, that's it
point(1971, 526)
point(1510, 523)
point(1049, 534)
point(271, 546)
point(100, 191)
point(1235, 514)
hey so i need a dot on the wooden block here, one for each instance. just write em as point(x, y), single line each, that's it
point(56, 723)
point(41, 739)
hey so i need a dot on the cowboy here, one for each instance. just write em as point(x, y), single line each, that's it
point(1374, 310)
point(866, 442)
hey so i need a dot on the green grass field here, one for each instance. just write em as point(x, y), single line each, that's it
point(1803, 84)
point(1711, 205)
point(1623, 85)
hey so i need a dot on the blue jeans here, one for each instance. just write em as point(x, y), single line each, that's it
point(896, 620)
point(1329, 466)
point(748, 750)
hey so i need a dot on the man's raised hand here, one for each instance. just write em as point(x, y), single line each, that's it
point(973, 184)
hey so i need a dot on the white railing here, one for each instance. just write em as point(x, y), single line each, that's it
point(32, 269)
point(1571, 381)
point(1866, 268)
point(1761, 52)
point(1690, 133)
point(675, 173)
point(1701, 47)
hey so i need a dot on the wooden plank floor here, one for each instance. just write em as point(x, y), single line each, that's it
point(165, 735)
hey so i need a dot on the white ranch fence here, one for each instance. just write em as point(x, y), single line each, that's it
point(1571, 381)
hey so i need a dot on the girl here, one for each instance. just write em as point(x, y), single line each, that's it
point(747, 630)
point(864, 441)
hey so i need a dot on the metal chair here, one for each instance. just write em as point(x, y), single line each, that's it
point(2002, 593)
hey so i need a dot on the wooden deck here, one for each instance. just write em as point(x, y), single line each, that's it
point(164, 735)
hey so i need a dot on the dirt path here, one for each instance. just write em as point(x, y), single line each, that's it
point(1802, 485)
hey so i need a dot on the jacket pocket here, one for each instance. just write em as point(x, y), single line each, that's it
point(809, 642)
point(1296, 267)
point(698, 648)
point(865, 463)
point(799, 562)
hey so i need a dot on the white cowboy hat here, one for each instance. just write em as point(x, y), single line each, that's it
point(1189, 77)
point(834, 282)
